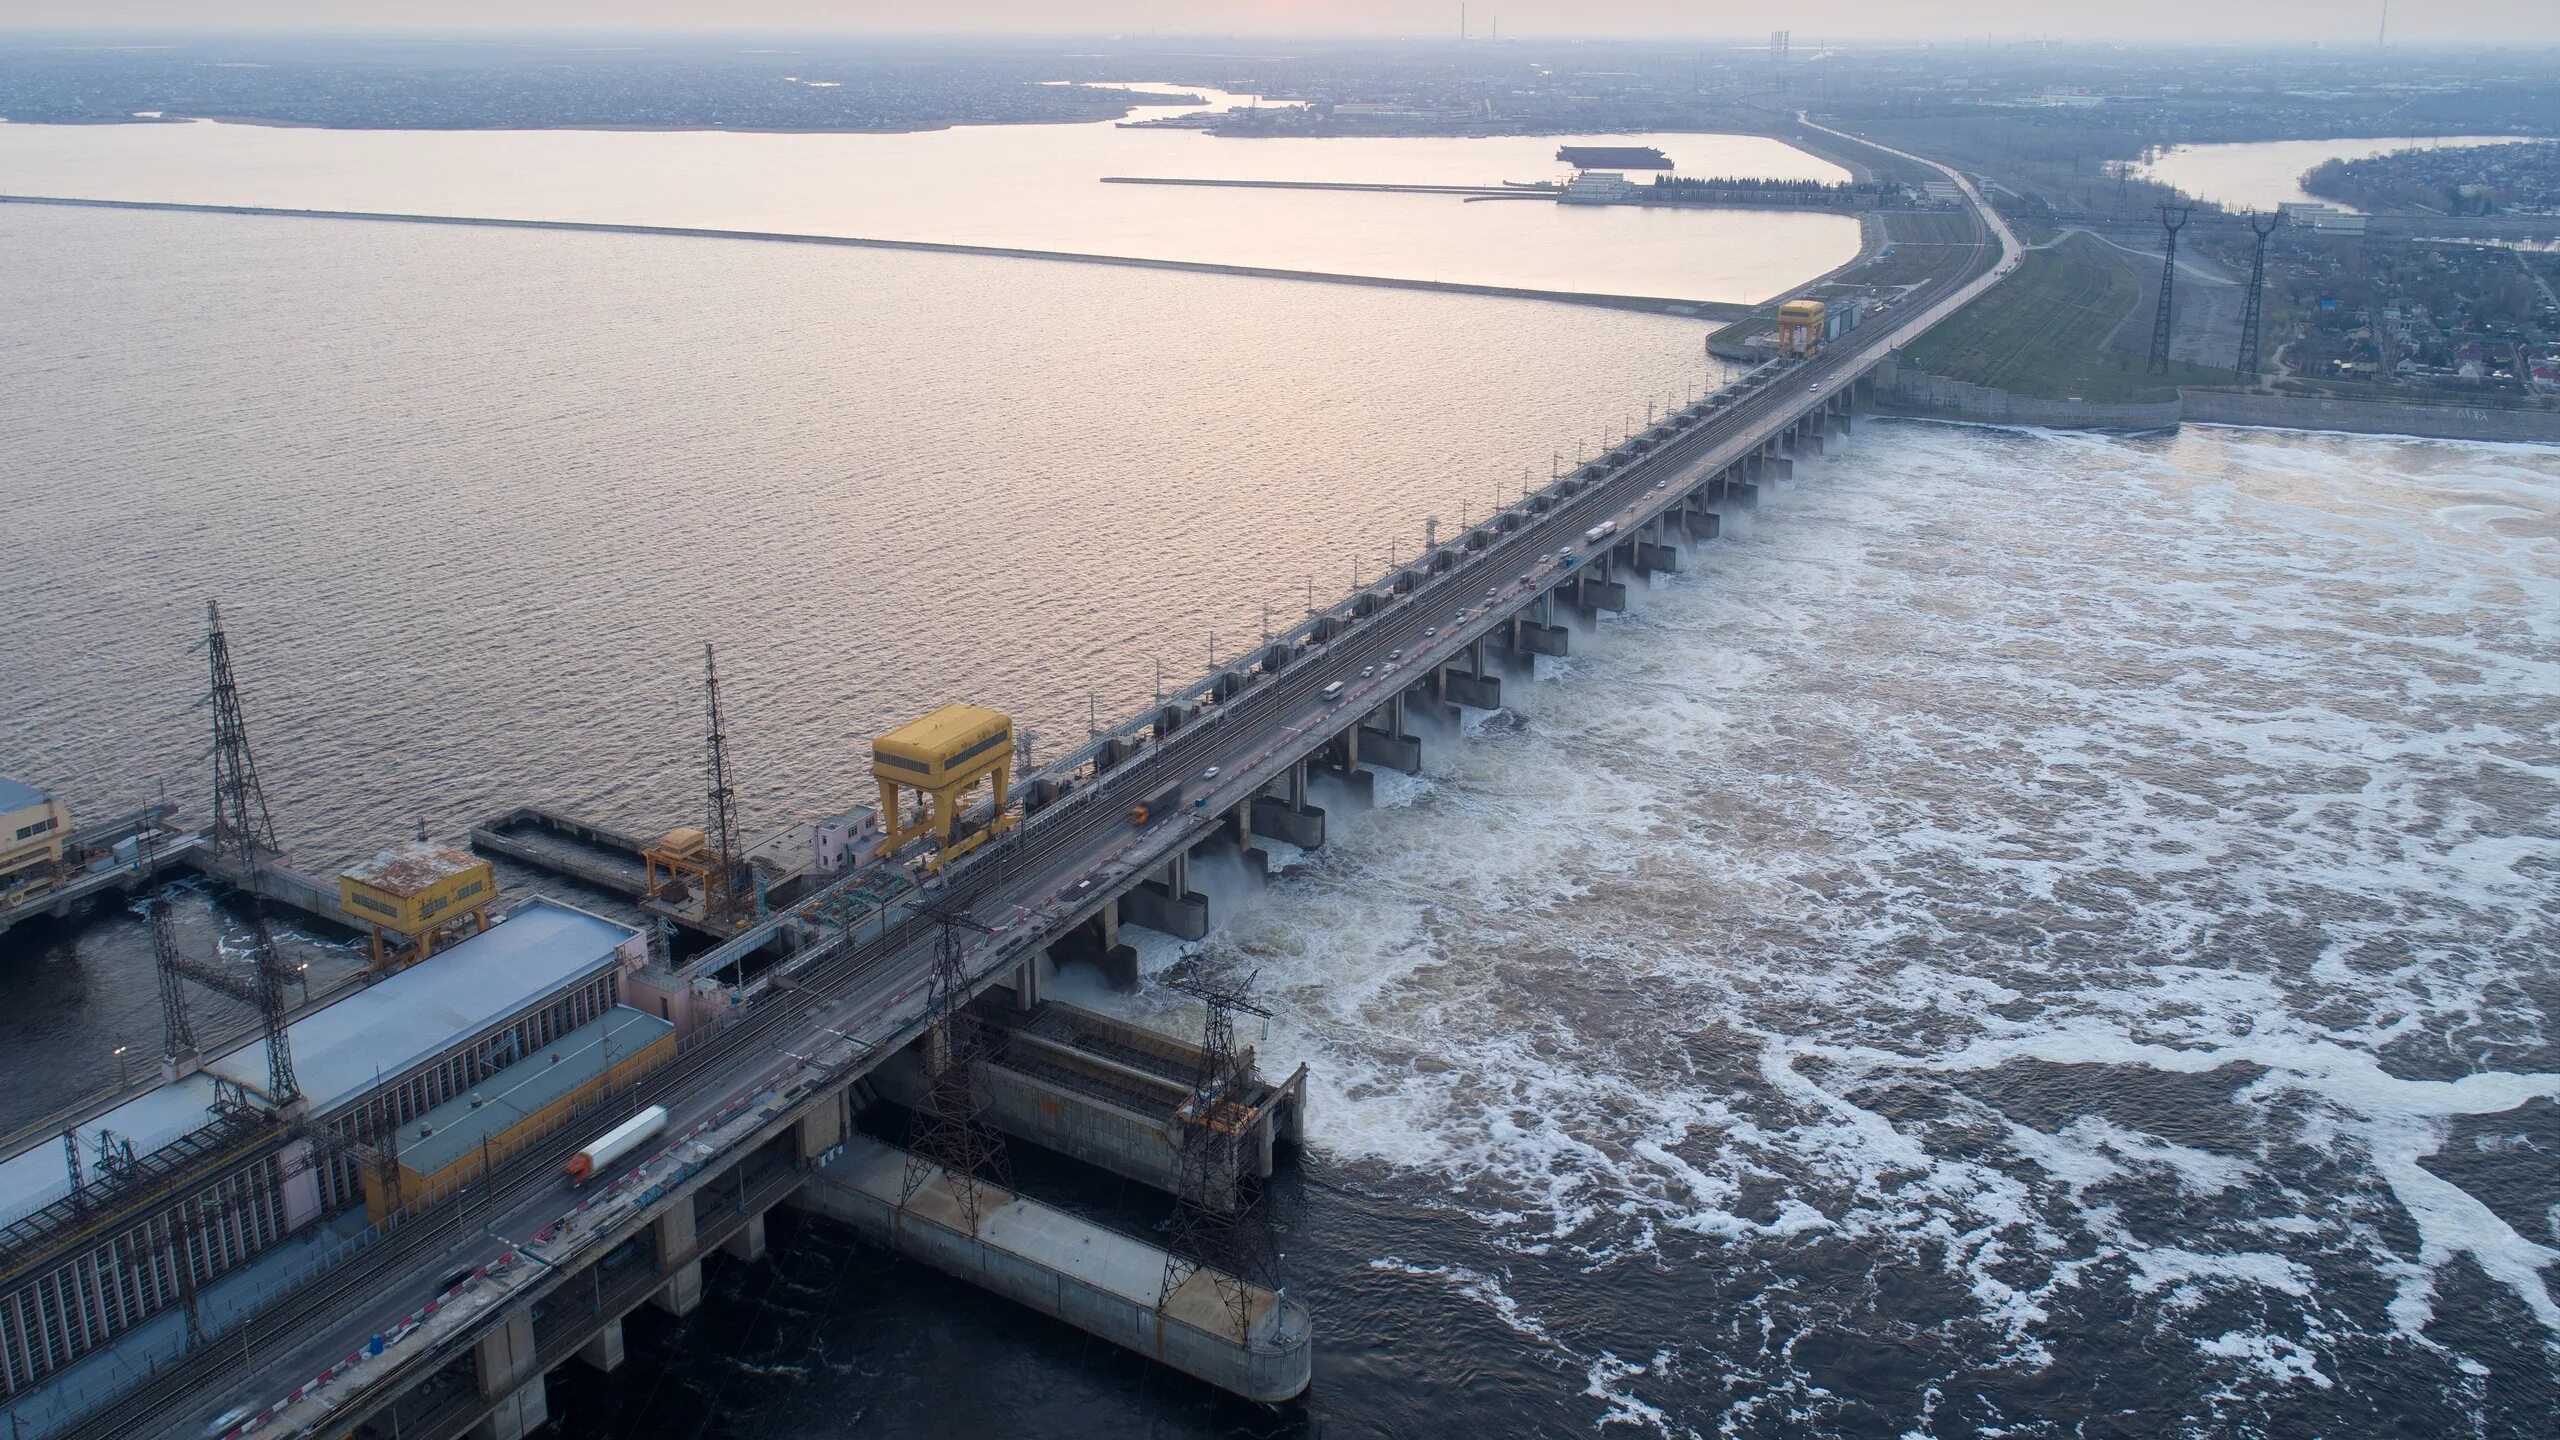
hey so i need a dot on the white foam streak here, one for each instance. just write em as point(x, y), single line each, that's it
point(1883, 881)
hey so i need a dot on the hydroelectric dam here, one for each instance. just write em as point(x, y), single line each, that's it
point(443, 1316)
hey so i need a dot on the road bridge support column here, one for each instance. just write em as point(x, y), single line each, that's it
point(674, 1234)
point(1287, 817)
point(747, 1245)
point(511, 1375)
point(1480, 690)
point(604, 1353)
point(1169, 904)
point(1384, 740)
point(822, 1129)
point(1654, 552)
point(1096, 940)
point(1534, 631)
point(1599, 591)
point(1701, 522)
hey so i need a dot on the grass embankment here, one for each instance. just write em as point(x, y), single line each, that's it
point(2043, 332)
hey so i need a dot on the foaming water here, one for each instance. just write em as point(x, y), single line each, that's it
point(2026, 923)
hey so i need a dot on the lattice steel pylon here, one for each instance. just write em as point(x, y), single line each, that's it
point(1231, 1244)
point(177, 1030)
point(2253, 307)
point(950, 1130)
point(721, 898)
point(2172, 220)
point(242, 828)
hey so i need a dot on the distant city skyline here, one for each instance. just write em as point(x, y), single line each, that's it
point(2514, 22)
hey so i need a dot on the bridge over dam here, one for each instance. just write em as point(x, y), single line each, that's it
point(447, 1319)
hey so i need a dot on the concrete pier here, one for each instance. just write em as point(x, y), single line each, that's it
point(682, 1293)
point(510, 1373)
point(1384, 740)
point(1100, 1281)
point(1168, 904)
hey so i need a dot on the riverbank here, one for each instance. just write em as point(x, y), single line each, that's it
point(1658, 304)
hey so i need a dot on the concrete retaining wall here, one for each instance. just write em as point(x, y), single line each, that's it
point(2372, 417)
point(1909, 392)
point(1897, 391)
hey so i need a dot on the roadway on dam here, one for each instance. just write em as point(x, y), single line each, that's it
point(841, 1006)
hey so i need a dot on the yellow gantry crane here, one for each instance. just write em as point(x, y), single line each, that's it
point(1800, 326)
point(939, 760)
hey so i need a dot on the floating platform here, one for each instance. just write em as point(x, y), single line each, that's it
point(1098, 1280)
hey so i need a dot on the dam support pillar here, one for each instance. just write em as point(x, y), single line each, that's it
point(747, 1246)
point(1655, 555)
point(1096, 941)
point(1698, 519)
point(682, 1291)
point(1286, 816)
point(511, 1375)
point(822, 1129)
point(1534, 631)
point(1481, 690)
point(604, 1353)
point(1383, 740)
point(1168, 904)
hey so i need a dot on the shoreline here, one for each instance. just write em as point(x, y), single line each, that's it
point(1710, 310)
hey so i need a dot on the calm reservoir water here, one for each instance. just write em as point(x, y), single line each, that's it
point(2034, 935)
point(1023, 186)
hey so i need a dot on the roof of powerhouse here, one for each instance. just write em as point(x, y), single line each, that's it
point(505, 1100)
point(340, 1050)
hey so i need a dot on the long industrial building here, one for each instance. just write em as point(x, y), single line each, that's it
point(135, 1207)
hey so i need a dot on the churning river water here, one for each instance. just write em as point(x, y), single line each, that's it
point(2032, 935)
point(2038, 935)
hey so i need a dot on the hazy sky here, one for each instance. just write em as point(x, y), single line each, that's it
point(2529, 22)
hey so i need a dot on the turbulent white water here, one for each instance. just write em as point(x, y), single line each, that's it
point(2073, 910)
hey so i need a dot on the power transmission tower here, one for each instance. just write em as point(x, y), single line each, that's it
point(2172, 220)
point(721, 900)
point(177, 1032)
point(2252, 307)
point(1229, 1242)
point(243, 830)
point(264, 990)
point(241, 826)
point(950, 1130)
